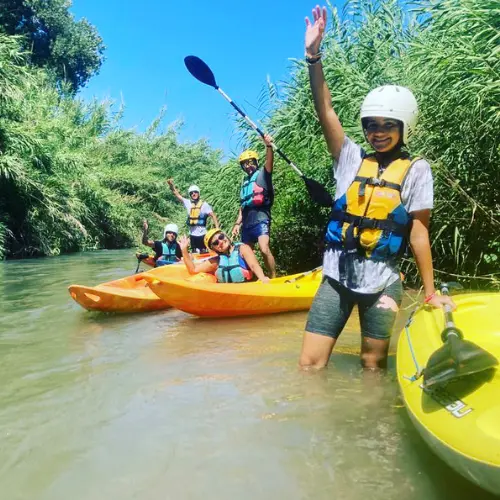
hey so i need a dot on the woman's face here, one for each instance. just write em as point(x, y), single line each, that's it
point(383, 134)
point(220, 243)
point(170, 236)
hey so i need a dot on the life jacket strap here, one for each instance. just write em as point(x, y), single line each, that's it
point(374, 181)
point(227, 270)
point(387, 225)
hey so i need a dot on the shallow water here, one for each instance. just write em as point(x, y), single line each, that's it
point(168, 406)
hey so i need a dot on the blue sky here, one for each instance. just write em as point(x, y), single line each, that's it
point(147, 41)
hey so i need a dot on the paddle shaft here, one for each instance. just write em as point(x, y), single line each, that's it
point(201, 71)
point(450, 327)
point(259, 131)
point(303, 275)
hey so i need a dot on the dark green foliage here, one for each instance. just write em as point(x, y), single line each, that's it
point(71, 50)
point(70, 179)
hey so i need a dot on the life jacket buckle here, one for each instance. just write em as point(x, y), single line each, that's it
point(375, 181)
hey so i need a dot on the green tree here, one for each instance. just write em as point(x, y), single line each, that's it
point(72, 50)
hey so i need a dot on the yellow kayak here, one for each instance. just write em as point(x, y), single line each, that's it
point(130, 294)
point(460, 421)
point(238, 299)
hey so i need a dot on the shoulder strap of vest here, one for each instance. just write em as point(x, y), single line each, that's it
point(363, 180)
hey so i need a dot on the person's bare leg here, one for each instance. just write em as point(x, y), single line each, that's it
point(374, 353)
point(267, 255)
point(316, 350)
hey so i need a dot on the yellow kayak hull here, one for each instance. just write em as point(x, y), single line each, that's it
point(130, 294)
point(237, 299)
point(461, 421)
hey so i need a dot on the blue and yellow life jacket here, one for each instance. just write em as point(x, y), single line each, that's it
point(233, 268)
point(168, 254)
point(196, 218)
point(252, 195)
point(370, 220)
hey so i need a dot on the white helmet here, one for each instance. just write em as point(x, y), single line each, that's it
point(194, 188)
point(171, 228)
point(392, 101)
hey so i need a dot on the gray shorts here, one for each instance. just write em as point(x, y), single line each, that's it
point(333, 305)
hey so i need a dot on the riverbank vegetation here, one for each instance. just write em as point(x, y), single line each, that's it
point(72, 179)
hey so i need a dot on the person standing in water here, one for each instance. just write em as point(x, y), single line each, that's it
point(198, 212)
point(256, 200)
point(383, 203)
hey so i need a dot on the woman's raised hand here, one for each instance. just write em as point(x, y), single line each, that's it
point(184, 242)
point(314, 31)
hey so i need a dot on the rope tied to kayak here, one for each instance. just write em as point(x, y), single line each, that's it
point(420, 370)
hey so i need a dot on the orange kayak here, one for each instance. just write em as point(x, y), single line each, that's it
point(237, 299)
point(130, 294)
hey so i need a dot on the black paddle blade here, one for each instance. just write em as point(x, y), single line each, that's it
point(318, 192)
point(200, 70)
point(456, 358)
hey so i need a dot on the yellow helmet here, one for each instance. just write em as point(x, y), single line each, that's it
point(209, 236)
point(248, 155)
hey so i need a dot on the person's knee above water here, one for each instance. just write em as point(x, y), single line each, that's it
point(167, 251)
point(256, 201)
point(382, 204)
point(234, 262)
point(198, 213)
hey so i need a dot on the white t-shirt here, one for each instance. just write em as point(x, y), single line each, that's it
point(416, 194)
point(206, 209)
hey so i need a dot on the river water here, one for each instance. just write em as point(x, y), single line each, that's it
point(168, 406)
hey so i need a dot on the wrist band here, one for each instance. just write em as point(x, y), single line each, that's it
point(429, 297)
point(313, 59)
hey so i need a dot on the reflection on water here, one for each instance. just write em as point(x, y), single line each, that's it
point(166, 405)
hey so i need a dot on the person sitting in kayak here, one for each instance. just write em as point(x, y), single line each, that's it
point(168, 250)
point(234, 262)
point(383, 202)
point(198, 212)
point(256, 200)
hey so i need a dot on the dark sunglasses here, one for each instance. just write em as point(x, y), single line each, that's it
point(245, 163)
point(385, 127)
point(217, 239)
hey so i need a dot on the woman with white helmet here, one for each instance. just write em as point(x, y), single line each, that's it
point(167, 251)
point(383, 203)
point(198, 212)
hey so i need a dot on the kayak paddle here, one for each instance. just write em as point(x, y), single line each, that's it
point(457, 357)
point(201, 71)
point(303, 275)
point(140, 258)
